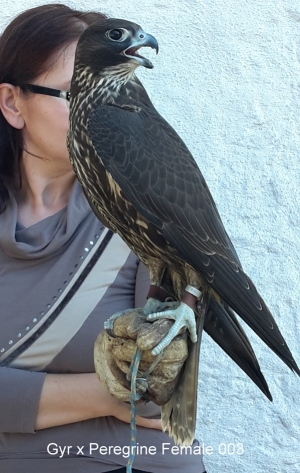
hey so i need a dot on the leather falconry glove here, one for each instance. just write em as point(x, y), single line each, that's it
point(157, 375)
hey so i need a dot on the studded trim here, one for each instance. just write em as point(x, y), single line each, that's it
point(61, 301)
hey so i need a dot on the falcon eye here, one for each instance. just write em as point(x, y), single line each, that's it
point(115, 35)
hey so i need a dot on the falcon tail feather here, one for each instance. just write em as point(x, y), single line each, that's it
point(223, 327)
point(237, 290)
point(179, 414)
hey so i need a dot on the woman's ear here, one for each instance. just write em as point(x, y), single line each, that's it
point(9, 99)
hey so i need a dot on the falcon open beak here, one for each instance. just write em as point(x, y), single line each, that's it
point(141, 40)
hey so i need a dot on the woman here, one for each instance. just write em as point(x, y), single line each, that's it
point(53, 254)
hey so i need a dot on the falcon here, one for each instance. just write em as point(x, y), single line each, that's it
point(143, 183)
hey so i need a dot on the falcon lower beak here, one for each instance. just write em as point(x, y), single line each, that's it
point(141, 40)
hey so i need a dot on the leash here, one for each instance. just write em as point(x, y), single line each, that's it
point(138, 387)
point(134, 396)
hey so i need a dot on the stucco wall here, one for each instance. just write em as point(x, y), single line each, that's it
point(228, 79)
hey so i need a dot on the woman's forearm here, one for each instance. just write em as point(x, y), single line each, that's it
point(69, 398)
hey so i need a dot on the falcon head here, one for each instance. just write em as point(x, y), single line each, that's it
point(114, 42)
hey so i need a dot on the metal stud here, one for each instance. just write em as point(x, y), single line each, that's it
point(48, 306)
point(34, 320)
point(60, 290)
point(27, 328)
point(42, 313)
point(80, 257)
point(97, 236)
point(91, 242)
point(19, 335)
point(2, 350)
point(10, 342)
point(86, 249)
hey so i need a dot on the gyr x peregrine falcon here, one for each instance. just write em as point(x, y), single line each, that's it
point(143, 183)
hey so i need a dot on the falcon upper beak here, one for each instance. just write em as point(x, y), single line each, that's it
point(141, 40)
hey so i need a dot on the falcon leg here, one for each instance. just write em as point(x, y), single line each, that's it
point(156, 306)
point(182, 314)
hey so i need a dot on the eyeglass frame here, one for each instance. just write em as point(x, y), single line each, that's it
point(39, 89)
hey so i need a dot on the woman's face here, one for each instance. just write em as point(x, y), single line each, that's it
point(46, 118)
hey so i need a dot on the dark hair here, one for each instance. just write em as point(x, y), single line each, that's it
point(27, 46)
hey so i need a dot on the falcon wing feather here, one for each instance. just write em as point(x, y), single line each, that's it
point(160, 178)
point(158, 174)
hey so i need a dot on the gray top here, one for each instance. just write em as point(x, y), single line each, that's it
point(49, 325)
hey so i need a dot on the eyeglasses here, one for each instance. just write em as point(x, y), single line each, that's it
point(38, 89)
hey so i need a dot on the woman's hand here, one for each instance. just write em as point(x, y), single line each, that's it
point(68, 398)
point(123, 413)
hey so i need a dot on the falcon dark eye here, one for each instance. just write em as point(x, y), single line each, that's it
point(115, 35)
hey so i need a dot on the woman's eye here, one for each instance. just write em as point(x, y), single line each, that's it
point(115, 35)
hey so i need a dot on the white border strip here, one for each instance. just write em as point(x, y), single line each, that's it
point(72, 317)
point(59, 300)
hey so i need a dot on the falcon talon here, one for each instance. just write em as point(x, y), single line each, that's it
point(158, 350)
point(141, 387)
point(153, 364)
point(109, 323)
point(166, 341)
point(155, 305)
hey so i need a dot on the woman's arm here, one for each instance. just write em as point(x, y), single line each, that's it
point(68, 398)
point(19, 398)
point(32, 400)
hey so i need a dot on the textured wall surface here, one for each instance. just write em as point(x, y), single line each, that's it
point(228, 79)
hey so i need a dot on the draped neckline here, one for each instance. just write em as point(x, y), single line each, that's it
point(46, 237)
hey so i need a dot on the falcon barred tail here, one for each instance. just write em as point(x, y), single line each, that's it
point(143, 183)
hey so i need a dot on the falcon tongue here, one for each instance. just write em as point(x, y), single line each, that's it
point(132, 53)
